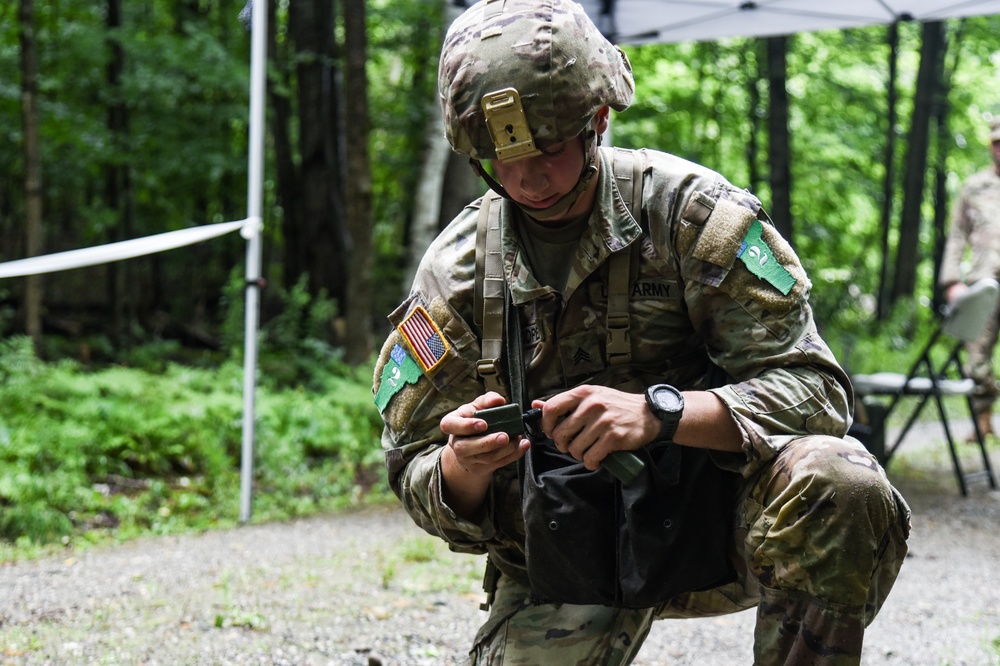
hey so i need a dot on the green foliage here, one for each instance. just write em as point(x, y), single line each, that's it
point(692, 99)
point(293, 342)
point(183, 94)
point(706, 102)
point(184, 88)
point(404, 44)
point(121, 451)
point(894, 345)
point(156, 446)
point(236, 615)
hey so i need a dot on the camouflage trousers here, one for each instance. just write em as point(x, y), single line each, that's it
point(820, 537)
point(979, 365)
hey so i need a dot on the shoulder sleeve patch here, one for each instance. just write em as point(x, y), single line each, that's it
point(719, 240)
point(425, 339)
point(404, 378)
point(398, 371)
point(760, 260)
point(394, 372)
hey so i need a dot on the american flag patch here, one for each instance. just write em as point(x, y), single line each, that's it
point(425, 339)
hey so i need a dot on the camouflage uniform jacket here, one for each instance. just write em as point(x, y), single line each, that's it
point(975, 224)
point(693, 303)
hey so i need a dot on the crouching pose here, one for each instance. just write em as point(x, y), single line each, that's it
point(687, 454)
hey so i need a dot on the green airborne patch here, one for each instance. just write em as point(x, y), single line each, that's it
point(399, 371)
point(759, 259)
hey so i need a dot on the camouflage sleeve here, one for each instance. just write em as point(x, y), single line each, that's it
point(956, 244)
point(426, 369)
point(747, 298)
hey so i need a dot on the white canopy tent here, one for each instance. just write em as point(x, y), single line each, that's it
point(648, 21)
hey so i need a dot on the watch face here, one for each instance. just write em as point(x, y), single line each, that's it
point(668, 399)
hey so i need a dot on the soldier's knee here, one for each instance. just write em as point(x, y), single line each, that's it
point(826, 511)
point(828, 467)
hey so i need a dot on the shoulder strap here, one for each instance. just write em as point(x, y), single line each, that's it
point(492, 309)
point(490, 293)
point(628, 174)
point(628, 167)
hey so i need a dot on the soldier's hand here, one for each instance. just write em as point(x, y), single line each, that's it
point(956, 290)
point(473, 452)
point(470, 458)
point(589, 422)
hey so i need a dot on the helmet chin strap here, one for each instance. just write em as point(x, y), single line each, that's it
point(591, 141)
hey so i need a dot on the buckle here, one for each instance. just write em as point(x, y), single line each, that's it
point(619, 342)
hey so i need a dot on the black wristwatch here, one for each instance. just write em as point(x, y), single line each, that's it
point(667, 404)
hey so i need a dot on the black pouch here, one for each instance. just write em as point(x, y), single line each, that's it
point(591, 540)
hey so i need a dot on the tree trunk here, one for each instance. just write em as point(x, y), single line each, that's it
point(447, 183)
point(116, 176)
point(462, 185)
point(358, 340)
point(33, 293)
point(427, 205)
point(889, 183)
point(914, 176)
point(752, 50)
point(942, 109)
point(779, 149)
point(324, 242)
point(286, 171)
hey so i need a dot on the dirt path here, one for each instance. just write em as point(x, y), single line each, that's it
point(369, 587)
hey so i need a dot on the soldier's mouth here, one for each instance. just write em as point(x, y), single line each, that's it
point(542, 204)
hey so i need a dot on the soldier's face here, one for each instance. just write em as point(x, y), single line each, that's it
point(542, 180)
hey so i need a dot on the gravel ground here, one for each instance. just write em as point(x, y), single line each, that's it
point(368, 587)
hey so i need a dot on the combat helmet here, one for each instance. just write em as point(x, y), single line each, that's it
point(516, 72)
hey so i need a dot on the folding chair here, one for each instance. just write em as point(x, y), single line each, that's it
point(961, 322)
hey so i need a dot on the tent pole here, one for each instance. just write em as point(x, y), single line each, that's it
point(255, 185)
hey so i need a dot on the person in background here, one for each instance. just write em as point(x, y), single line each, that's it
point(649, 311)
point(975, 228)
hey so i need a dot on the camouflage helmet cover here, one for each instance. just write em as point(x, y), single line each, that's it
point(549, 51)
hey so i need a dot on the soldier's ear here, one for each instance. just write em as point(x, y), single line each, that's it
point(602, 119)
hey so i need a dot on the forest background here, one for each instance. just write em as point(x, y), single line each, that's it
point(119, 384)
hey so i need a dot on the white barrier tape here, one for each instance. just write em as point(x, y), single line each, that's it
point(102, 254)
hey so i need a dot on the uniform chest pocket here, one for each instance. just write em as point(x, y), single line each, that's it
point(658, 324)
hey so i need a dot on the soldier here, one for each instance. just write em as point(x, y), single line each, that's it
point(975, 226)
point(648, 308)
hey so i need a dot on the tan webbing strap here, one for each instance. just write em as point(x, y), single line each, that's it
point(635, 206)
point(482, 222)
point(628, 174)
point(619, 345)
point(489, 296)
point(628, 177)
